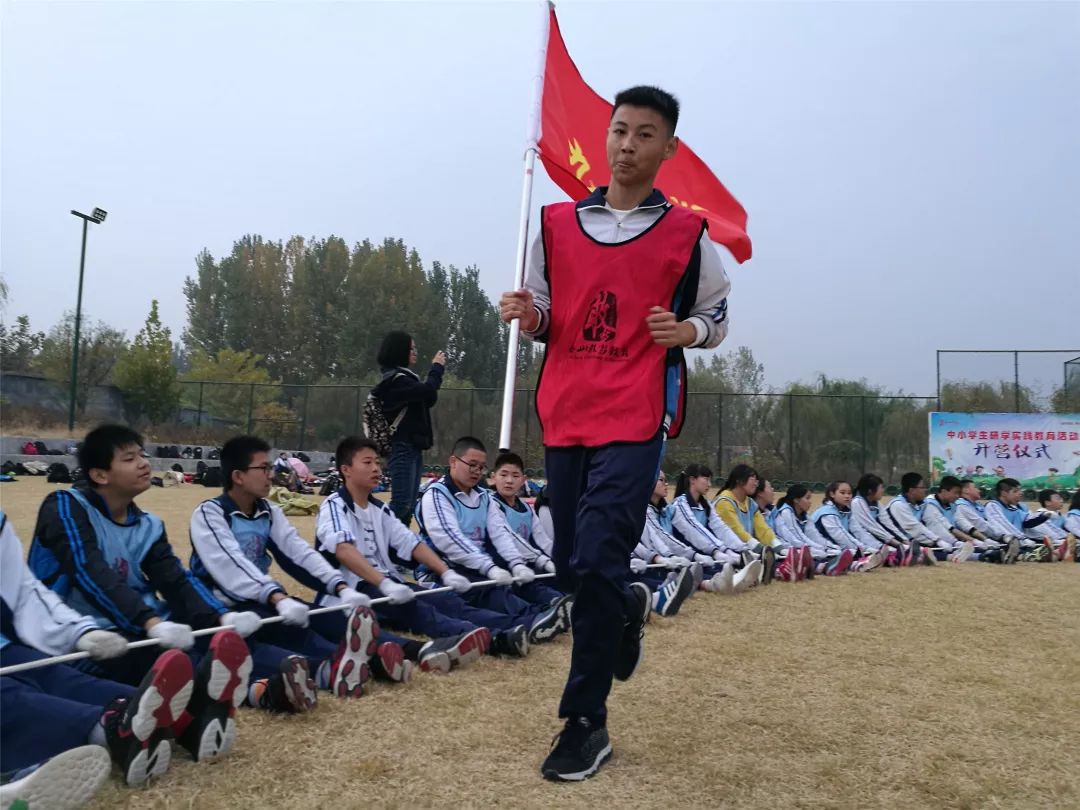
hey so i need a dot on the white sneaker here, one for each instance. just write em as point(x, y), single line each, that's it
point(68, 780)
point(963, 552)
point(875, 560)
point(748, 577)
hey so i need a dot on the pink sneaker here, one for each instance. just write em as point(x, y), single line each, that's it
point(841, 564)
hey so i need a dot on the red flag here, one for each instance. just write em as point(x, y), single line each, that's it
point(574, 121)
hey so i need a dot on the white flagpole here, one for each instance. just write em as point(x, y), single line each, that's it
point(531, 150)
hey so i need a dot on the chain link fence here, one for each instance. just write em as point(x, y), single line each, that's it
point(789, 437)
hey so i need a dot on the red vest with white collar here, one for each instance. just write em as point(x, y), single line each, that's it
point(604, 380)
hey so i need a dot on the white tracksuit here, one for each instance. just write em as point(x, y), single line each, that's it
point(789, 529)
point(934, 519)
point(717, 541)
point(866, 526)
point(900, 515)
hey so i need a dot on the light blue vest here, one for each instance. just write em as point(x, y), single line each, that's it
point(123, 546)
point(472, 521)
point(801, 521)
point(949, 512)
point(745, 518)
point(252, 535)
point(830, 509)
point(978, 507)
point(770, 518)
point(663, 517)
point(1015, 515)
point(520, 520)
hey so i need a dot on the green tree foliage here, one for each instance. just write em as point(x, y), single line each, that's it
point(145, 371)
point(99, 348)
point(19, 345)
point(316, 311)
point(234, 383)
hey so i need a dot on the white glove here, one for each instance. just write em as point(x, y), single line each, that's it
point(353, 598)
point(545, 564)
point(675, 563)
point(718, 555)
point(294, 612)
point(549, 567)
point(637, 565)
point(703, 559)
point(397, 592)
point(172, 635)
point(101, 644)
point(500, 575)
point(523, 574)
point(245, 623)
point(452, 579)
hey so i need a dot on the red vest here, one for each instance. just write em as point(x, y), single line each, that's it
point(604, 380)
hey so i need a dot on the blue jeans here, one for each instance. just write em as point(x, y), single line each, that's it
point(405, 466)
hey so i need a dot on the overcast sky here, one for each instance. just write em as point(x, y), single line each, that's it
point(911, 170)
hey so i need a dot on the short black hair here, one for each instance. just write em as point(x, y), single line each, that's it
point(909, 481)
point(100, 445)
point(949, 482)
point(740, 474)
point(653, 98)
point(236, 454)
point(465, 444)
point(1046, 495)
point(348, 448)
point(513, 459)
point(394, 350)
point(868, 484)
point(1004, 484)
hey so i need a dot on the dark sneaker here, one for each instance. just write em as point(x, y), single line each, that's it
point(1012, 551)
point(351, 666)
point(208, 729)
point(578, 752)
point(566, 607)
point(768, 560)
point(292, 691)
point(674, 592)
point(630, 650)
point(138, 731)
point(458, 651)
point(513, 642)
point(547, 625)
point(66, 781)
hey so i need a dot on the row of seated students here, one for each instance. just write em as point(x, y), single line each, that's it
point(102, 573)
point(744, 537)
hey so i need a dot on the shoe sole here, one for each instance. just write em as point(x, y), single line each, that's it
point(554, 776)
point(149, 762)
point(472, 646)
point(438, 663)
point(220, 687)
point(298, 684)
point(768, 561)
point(547, 626)
point(65, 782)
point(874, 561)
point(645, 600)
point(964, 554)
point(747, 578)
point(1012, 552)
point(352, 668)
point(162, 696)
point(393, 663)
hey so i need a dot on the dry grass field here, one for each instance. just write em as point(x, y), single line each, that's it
point(952, 687)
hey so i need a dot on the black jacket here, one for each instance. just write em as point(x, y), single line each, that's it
point(402, 388)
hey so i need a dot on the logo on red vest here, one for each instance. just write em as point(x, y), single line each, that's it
point(601, 319)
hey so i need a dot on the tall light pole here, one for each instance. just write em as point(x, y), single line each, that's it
point(97, 217)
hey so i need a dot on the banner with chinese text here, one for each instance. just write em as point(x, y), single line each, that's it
point(1040, 450)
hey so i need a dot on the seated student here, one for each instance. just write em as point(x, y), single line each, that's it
point(738, 509)
point(834, 547)
point(696, 524)
point(765, 498)
point(236, 536)
point(789, 523)
point(1008, 518)
point(462, 524)
point(47, 711)
point(902, 516)
point(658, 543)
point(1048, 527)
point(939, 516)
point(524, 526)
point(971, 520)
point(110, 560)
point(866, 524)
point(668, 590)
point(1072, 524)
point(359, 535)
